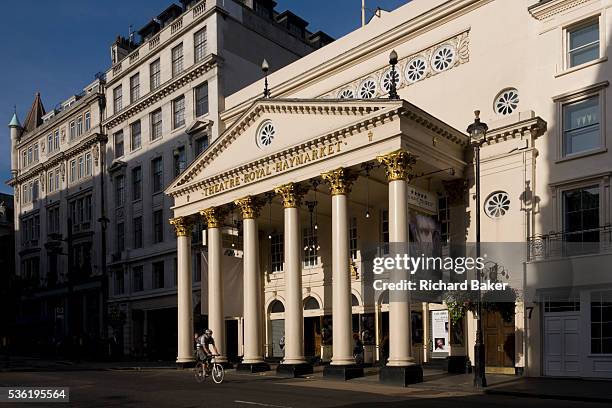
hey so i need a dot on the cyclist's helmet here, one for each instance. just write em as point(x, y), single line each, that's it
point(208, 332)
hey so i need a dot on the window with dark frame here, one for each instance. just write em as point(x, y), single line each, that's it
point(136, 183)
point(136, 135)
point(119, 151)
point(601, 322)
point(177, 60)
point(353, 244)
point(583, 43)
point(155, 74)
point(158, 226)
point(134, 87)
point(120, 237)
point(138, 278)
point(199, 41)
point(157, 171)
point(581, 217)
point(119, 191)
point(158, 275)
point(180, 160)
point(277, 252)
point(156, 124)
point(117, 99)
point(201, 99)
point(178, 111)
point(138, 232)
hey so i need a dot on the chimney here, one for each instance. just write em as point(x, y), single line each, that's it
point(15, 131)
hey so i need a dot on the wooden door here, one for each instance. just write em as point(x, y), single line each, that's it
point(499, 340)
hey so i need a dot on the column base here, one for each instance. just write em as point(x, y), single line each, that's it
point(181, 365)
point(294, 370)
point(343, 372)
point(455, 364)
point(252, 368)
point(401, 375)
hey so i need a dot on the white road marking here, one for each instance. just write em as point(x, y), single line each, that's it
point(259, 404)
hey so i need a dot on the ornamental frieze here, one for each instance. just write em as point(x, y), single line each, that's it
point(414, 68)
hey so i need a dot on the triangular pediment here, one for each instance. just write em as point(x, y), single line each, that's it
point(272, 126)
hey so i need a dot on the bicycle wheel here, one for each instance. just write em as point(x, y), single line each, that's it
point(218, 373)
point(199, 372)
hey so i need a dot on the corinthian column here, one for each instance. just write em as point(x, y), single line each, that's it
point(216, 318)
point(253, 351)
point(183, 227)
point(343, 364)
point(401, 367)
point(294, 363)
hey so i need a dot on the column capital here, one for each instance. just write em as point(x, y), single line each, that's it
point(249, 207)
point(291, 193)
point(214, 216)
point(340, 181)
point(398, 164)
point(182, 225)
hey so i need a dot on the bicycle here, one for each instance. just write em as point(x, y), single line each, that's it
point(209, 367)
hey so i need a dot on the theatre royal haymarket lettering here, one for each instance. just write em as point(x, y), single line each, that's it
point(272, 167)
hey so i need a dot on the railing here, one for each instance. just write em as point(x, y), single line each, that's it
point(134, 56)
point(198, 9)
point(154, 42)
point(564, 244)
point(177, 25)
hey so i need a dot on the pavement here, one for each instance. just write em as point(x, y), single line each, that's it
point(436, 384)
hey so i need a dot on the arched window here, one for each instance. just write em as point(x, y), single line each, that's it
point(354, 300)
point(311, 303)
point(277, 307)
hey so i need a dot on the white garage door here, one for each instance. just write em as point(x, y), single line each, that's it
point(562, 345)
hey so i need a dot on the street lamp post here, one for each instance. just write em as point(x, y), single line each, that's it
point(477, 132)
point(393, 85)
point(265, 68)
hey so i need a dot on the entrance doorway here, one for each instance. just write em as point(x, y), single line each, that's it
point(231, 340)
point(562, 344)
point(312, 337)
point(499, 343)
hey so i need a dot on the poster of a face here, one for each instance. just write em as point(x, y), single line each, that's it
point(439, 328)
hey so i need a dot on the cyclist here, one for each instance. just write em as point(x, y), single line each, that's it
point(205, 342)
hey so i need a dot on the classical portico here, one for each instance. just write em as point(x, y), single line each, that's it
point(283, 161)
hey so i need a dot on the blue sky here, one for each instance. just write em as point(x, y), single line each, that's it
point(56, 47)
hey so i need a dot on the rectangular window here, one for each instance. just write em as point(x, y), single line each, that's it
point(353, 237)
point(137, 183)
point(180, 161)
point(57, 178)
point(158, 226)
point(50, 180)
point(583, 44)
point(56, 140)
point(157, 171)
point(119, 144)
point(35, 191)
point(88, 167)
point(120, 237)
point(79, 126)
point(81, 167)
point(156, 124)
point(178, 111)
point(199, 41)
point(155, 74)
point(87, 121)
point(119, 191)
point(87, 206)
point(119, 282)
point(277, 252)
point(117, 99)
point(50, 143)
point(384, 232)
point(138, 232)
point(72, 171)
point(601, 322)
point(581, 218)
point(311, 247)
point(158, 275)
point(201, 144)
point(136, 135)
point(134, 87)
point(36, 152)
point(53, 220)
point(138, 279)
point(201, 99)
point(72, 130)
point(581, 129)
point(444, 220)
point(177, 60)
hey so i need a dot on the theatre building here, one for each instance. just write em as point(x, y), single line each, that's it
point(301, 185)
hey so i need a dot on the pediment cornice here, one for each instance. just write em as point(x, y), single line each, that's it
point(545, 10)
point(368, 115)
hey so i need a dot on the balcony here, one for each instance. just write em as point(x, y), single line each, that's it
point(557, 245)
